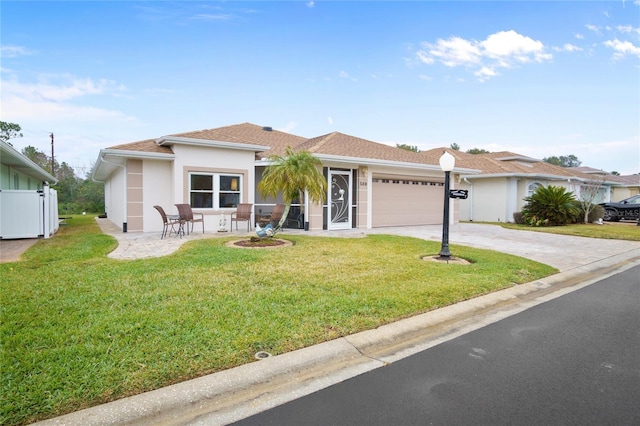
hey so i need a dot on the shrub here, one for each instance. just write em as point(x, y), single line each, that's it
point(518, 218)
point(595, 212)
point(550, 206)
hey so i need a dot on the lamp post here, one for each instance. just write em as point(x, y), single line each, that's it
point(447, 162)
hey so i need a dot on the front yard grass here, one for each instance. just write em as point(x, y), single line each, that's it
point(611, 231)
point(79, 329)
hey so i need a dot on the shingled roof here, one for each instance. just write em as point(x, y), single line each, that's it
point(506, 163)
point(148, 145)
point(274, 141)
point(339, 144)
point(342, 145)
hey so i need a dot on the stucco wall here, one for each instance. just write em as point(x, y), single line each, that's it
point(190, 159)
point(114, 197)
point(489, 200)
point(156, 190)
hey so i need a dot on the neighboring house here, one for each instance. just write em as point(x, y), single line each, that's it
point(370, 184)
point(628, 186)
point(621, 186)
point(28, 206)
point(505, 179)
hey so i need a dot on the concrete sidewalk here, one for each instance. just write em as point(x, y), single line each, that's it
point(233, 394)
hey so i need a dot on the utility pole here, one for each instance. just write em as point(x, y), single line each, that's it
point(53, 172)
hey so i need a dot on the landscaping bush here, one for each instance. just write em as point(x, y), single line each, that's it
point(595, 212)
point(550, 206)
point(518, 218)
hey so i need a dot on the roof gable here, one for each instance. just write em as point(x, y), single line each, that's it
point(274, 141)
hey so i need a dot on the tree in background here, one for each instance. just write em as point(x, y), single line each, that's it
point(39, 157)
point(590, 195)
point(454, 146)
point(9, 131)
point(563, 161)
point(477, 151)
point(75, 195)
point(291, 175)
point(412, 148)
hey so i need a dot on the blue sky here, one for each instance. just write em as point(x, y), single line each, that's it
point(540, 78)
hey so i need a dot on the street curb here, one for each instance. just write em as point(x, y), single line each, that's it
point(237, 393)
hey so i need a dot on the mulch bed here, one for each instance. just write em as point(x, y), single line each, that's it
point(262, 243)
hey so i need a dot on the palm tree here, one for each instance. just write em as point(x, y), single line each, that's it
point(291, 175)
point(550, 206)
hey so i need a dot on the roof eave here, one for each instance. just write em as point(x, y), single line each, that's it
point(117, 157)
point(170, 140)
point(360, 161)
point(25, 165)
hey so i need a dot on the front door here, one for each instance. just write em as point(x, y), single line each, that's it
point(339, 199)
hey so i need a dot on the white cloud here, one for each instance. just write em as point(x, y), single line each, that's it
point(504, 49)
point(453, 52)
point(14, 51)
point(212, 17)
point(593, 28)
point(344, 74)
point(510, 44)
point(568, 47)
point(50, 98)
point(485, 73)
point(311, 4)
point(330, 120)
point(622, 48)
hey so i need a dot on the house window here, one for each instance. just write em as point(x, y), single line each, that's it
point(533, 187)
point(214, 191)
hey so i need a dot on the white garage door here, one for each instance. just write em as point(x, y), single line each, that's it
point(398, 202)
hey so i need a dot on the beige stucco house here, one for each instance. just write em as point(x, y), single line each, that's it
point(370, 184)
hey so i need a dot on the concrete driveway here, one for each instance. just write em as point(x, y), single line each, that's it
point(560, 251)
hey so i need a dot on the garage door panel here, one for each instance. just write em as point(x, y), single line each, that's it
point(400, 203)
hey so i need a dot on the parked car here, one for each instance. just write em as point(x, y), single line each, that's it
point(624, 209)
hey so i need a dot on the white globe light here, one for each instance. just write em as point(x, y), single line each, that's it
point(447, 162)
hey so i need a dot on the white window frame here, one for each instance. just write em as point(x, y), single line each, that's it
point(216, 191)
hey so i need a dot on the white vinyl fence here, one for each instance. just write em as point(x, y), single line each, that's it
point(28, 214)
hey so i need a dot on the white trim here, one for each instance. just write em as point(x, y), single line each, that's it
point(168, 140)
point(11, 156)
point(392, 163)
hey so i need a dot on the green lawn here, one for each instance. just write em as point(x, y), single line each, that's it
point(615, 231)
point(79, 329)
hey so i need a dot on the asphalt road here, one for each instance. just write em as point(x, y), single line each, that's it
point(574, 360)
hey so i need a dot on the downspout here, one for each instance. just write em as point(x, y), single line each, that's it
point(305, 218)
point(124, 223)
point(470, 199)
point(369, 200)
